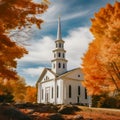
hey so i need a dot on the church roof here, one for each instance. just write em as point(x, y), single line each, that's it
point(57, 76)
point(68, 72)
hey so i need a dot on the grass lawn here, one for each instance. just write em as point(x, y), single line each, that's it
point(88, 114)
point(41, 112)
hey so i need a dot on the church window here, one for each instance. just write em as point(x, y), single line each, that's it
point(78, 99)
point(57, 91)
point(59, 45)
point(52, 92)
point(59, 65)
point(42, 94)
point(54, 55)
point(78, 90)
point(53, 65)
point(59, 54)
point(62, 45)
point(70, 91)
point(63, 55)
point(63, 65)
point(85, 93)
point(78, 75)
point(56, 45)
point(46, 78)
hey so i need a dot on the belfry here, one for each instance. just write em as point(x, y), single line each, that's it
point(59, 63)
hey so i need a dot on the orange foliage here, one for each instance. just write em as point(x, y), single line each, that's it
point(106, 23)
point(9, 52)
point(16, 14)
point(17, 88)
point(101, 63)
point(30, 94)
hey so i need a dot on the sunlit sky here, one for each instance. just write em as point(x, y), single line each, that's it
point(75, 19)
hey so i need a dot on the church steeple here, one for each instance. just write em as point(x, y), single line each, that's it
point(59, 63)
point(59, 35)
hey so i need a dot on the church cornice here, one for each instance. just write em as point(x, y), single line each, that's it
point(68, 78)
point(69, 72)
point(57, 59)
point(47, 80)
point(62, 41)
point(59, 49)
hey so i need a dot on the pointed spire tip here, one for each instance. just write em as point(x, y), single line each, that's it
point(59, 36)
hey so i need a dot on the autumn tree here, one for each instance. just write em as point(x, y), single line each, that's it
point(19, 89)
point(101, 63)
point(14, 88)
point(31, 94)
point(16, 14)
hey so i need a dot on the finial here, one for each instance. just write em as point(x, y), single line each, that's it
point(59, 36)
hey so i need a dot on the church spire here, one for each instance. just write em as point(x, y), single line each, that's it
point(59, 62)
point(59, 35)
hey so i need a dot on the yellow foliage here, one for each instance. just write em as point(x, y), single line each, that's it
point(31, 94)
point(101, 63)
point(16, 14)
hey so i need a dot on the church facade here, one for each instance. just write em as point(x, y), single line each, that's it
point(59, 86)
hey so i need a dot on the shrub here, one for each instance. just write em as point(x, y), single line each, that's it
point(6, 98)
point(106, 101)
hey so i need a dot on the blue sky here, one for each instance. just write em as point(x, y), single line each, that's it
point(75, 18)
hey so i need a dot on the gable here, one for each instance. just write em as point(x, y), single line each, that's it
point(75, 74)
point(46, 75)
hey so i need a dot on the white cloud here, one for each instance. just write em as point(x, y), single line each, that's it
point(61, 8)
point(53, 12)
point(33, 71)
point(76, 43)
point(75, 15)
point(39, 50)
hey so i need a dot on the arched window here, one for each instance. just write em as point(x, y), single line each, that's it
point(62, 45)
point(57, 91)
point(54, 55)
point(56, 45)
point(53, 65)
point(59, 54)
point(47, 78)
point(52, 93)
point(42, 94)
point(85, 93)
point(59, 65)
point(63, 55)
point(59, 45)
point(78, 75)
point(63, 65)
point(78, 90)
point(70, 91)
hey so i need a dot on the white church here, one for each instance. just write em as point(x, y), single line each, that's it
point(59, 86)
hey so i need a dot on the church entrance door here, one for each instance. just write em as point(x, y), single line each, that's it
point(47, 94)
